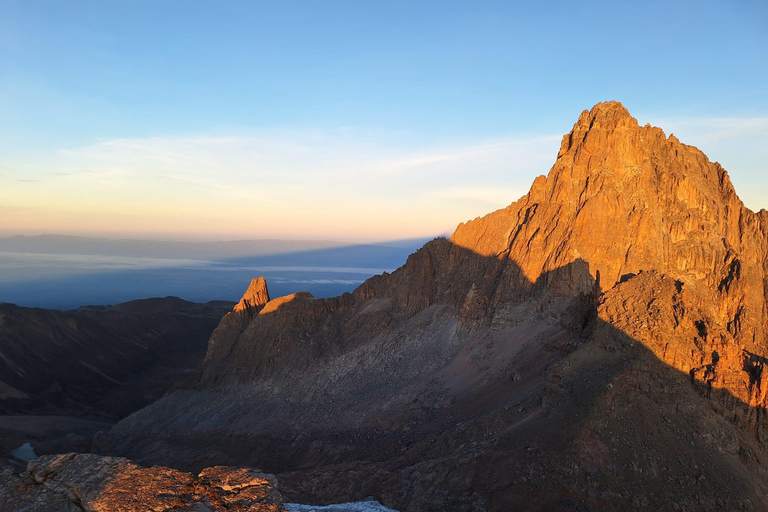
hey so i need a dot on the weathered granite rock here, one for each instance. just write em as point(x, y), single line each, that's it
point(92, 483)
point(20, 493)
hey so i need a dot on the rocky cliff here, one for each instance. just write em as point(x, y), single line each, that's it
point(597, 345)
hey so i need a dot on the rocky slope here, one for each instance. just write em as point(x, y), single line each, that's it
point(99, 361)
point(65, 375)
point(597, 345)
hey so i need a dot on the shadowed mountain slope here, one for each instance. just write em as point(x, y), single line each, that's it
point(99, 362)
point(597, 345)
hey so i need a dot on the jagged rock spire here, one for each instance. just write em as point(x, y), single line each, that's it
point(255, 296)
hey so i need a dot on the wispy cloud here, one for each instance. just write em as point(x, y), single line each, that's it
point(290, 184)
point(343, 183)
point(716, 128)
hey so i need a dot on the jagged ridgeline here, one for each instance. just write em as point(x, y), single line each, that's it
point(597, 345)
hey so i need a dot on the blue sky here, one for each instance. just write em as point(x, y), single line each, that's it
point(347, 120)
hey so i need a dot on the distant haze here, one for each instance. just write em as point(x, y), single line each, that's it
point(61, 272)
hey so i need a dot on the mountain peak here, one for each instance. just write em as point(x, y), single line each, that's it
point(607, 119)
point(604, 113)
point(255, 296)
point(610, 108)
point(623, 198)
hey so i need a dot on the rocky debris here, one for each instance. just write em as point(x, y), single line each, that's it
point(597, 345)
point(92, 483)
point(69, 374)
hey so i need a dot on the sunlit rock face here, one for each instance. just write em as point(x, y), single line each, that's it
point(626, 198)
point(597, 345)
point(91, 483)
point(255, 296)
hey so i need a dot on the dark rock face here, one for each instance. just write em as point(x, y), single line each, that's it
point(597, 345)
point(91, 483)
point(99, 362)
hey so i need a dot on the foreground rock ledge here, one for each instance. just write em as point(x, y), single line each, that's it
point(87, 482)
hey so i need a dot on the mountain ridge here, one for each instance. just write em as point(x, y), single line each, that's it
point(487, 373)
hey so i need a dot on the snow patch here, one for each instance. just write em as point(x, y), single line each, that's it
point(369, 505)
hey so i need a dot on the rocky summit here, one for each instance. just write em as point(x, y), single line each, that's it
point(599, 344)
point(255, 296)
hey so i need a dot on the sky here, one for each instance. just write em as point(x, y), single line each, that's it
point(347, 120)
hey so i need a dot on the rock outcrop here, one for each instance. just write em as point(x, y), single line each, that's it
point(255, 296)
point(91, 483)
point(597, 345)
